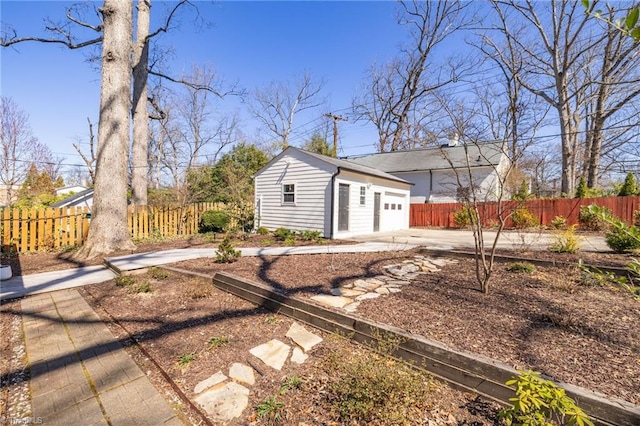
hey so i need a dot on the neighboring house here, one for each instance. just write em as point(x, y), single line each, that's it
point(441, 174)
point(71, 189)
point(300, 190)
point(81, 199)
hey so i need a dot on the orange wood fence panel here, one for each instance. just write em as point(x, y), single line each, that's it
point(441, 215)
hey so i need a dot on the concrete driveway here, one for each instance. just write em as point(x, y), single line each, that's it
point(447, 239)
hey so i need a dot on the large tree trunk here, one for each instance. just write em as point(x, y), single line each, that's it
point(140, 144)
point(108, 231)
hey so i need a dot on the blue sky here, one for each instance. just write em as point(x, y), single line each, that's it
point(252, 43)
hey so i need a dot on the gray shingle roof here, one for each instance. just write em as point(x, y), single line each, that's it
point(484, 154)
point(75, 199)
point(353, 166)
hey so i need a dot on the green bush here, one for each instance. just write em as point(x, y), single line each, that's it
point(566, 241)
point(523, 218)
point(124, 280)
point(462, 217)
point(290, 240)
point(621, 240)
point(262, 231)
point(559, 222)
point(214, 221)
point(590, 221)
point(226, 253)
point(636, 218)
point(541, 402)
point(310, 235)
point(283, 234)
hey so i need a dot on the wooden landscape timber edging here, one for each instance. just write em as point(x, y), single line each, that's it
point(468, 371)
point(618, 270)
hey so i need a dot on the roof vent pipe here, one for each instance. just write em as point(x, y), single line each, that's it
point(454, 140)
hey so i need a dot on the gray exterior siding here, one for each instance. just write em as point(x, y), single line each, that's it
point(311, 179)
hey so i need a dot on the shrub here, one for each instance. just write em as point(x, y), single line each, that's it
point(310, 235)
point(541, 402)
point(525, 267)
point(566, 242)
point(226, 253)
point(591, 221)
point(214, 221)
point(283, 233)
point(143, 287)
point(262, 231)
point(636, 218)
point(621, 240)
point(290, 240)
point(629, 187)
point(462, 217)
point(581, 189)
point(124, 280)
point(158, 273)
point(523, 218)
point(559, 222)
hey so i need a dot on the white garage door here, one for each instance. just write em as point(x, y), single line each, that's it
point(393, 212)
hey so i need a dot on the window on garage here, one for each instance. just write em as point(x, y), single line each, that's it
point(363, 195)
point(288, 193)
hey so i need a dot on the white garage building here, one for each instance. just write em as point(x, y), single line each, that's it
point(300, 190)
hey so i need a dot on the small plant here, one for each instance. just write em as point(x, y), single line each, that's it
point(636, 218)
point(217, 341)
point(290, 241)
point(463, 217)
point(226, 253)
point(185, 360)
point(143, 287)
point(291, 383)
point(271, 410)
point(124, 280)
point(541, 402)
point(262, 231)
point(271, 320)
point(158, 273)
point(524, 267)
point(267, 242)
point(213, 221)
point(522, 218)
point(310, 235)
point(283, 233)
point(631, 282)
point(559, 222)
point(590, 220)
point(566, 242)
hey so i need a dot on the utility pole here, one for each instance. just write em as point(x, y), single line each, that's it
point(335, 118)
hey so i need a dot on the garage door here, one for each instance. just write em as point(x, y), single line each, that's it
point(393, 212)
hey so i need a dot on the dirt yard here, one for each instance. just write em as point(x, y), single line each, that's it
point(549, 320)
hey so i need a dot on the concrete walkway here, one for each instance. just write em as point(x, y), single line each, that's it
point(79, 373)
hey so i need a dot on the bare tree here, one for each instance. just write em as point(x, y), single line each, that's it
point(90, 158)
point(396, 94)
point(277, 104)
point(140, 142)
point(553, 59)
point(108, 230)
point(18, 148)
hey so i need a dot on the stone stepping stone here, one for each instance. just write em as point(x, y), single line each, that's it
point(382, 290)
point(226, 402)
point(332, 301)
point(302, 337)
point(298, 356)
point(367, 296)
point(367, 285)
point(274, 353)
point(242, 373)
point(351, 307)
point(215, 379)
point(346, 292)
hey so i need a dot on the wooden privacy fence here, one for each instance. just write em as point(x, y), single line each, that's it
point(441, 215)
point(30, 230)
